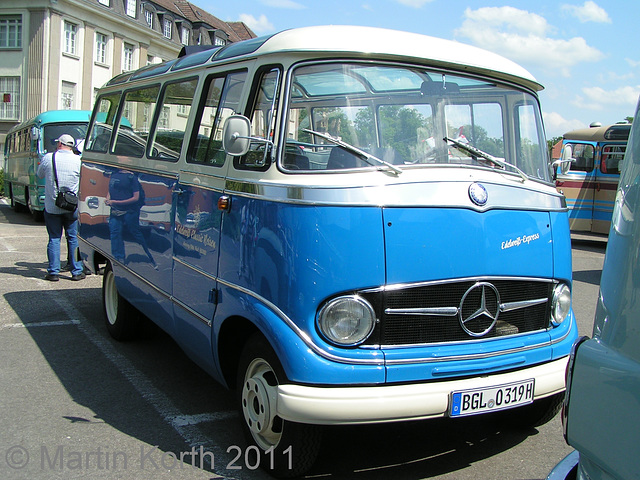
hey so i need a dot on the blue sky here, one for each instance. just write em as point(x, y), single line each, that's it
point(585, 53)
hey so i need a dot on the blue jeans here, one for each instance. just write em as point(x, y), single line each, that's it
point(55, 224)
point(129, 220)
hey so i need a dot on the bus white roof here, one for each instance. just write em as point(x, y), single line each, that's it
point(383, 42)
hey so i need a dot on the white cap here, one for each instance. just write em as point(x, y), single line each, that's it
point(67, 140)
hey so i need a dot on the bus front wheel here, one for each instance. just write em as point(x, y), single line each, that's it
point(284, 448)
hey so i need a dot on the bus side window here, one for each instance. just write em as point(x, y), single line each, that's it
point(612, 155)
point(135, 121)
point(262, 121)
point(99, 137)
point(584, 155)
point(171, 126)
point(221, 101)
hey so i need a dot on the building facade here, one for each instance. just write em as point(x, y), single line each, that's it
point(55, 54)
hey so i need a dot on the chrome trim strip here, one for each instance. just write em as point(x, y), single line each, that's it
point(199, 316)
point(446, 192)
point(402, 286)
point(453, 311)
point(195, 269)
point(508, 307)
point(435, 311)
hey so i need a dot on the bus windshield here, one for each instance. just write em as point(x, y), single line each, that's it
point(53, 131)
point(410, 117)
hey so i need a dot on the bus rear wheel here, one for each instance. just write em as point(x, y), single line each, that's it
point(121, 318)
point(285, 449)
point(17, 206)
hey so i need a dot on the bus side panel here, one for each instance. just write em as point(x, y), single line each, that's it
point(296, 256)
point(143, 248)
point(562, 263)
point(604, 200)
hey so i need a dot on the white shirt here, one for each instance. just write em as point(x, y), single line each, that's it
point(68, 171)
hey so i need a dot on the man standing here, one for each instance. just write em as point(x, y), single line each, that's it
point(67, 169)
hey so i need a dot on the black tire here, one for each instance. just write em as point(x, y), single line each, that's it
point(17, 206)
point(287, 449)
point(37, 215)
point(536, 414)
point(121, 318)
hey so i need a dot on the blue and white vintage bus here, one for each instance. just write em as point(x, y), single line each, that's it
point(26, 144)
point(350, 230)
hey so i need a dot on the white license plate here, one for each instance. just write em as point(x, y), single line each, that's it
point(491, 399)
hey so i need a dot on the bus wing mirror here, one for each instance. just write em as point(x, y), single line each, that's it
point(35, 133)
point(564, 161)
point(236, 138)
point(235, 135)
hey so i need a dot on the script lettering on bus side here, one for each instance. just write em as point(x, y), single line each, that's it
point(196, 236)
point(516, 242)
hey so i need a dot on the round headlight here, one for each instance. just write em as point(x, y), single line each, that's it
point(561, 303)
point(347, 321)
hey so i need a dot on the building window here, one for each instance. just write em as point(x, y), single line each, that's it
point(104, 2)
point(70, 33)
point(10, 31)
point(127, 58)
point(185, 36)
point(10, 106)
point(101, 48)
point(148, 15)
point(131, 8)
point(219, 42)
point(68, 95)
point(166, 30)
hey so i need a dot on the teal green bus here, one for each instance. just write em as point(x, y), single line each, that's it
point(25, 146)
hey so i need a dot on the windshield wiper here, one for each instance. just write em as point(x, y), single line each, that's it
point(367, 157)
point(476, 152)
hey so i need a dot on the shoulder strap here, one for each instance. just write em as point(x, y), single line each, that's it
point(55, 174)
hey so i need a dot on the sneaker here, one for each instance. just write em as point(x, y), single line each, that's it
point(51, 277)
point(80, 276)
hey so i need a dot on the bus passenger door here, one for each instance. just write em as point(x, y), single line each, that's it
point(578, 186)
point(607, 175)
point(195, 256)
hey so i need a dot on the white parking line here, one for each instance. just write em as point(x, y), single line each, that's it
point(184, 425)
point(58, 323)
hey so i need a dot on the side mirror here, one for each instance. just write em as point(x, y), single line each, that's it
point(235, 135)
point(35, 133)
point(236, 138)
point(564, 161)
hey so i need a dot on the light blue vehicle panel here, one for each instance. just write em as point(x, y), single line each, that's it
point(600, 414)
point(426, 244)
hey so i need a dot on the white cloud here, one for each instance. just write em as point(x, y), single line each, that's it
point(510, 18)
point(414, 3)
point(556, 125)
point(589, 12)
point(523, 37)
point(597, 98)
point(258, 25)
point(288, 4)
point(632, 63)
